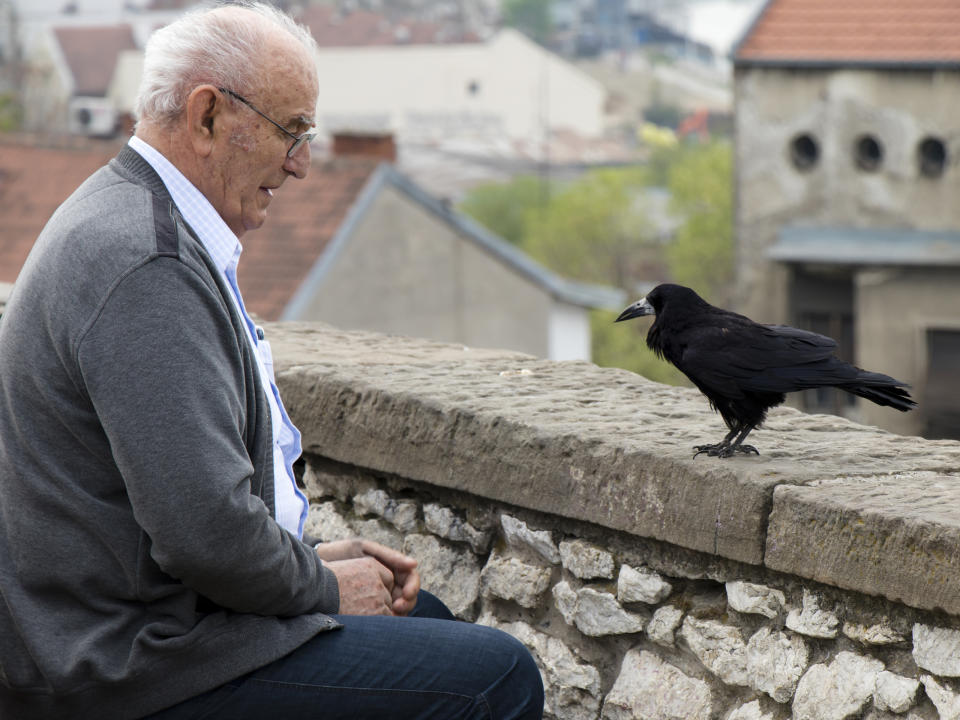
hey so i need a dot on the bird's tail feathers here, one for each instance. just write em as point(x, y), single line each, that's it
point(882, 390)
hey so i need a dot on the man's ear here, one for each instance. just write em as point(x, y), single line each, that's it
point(205, 107)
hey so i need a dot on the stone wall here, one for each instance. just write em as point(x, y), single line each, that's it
point(561, 503)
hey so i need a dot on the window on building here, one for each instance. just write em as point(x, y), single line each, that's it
point(804, 151)
point(941, 398)
point(931, 157)
point(868, 153)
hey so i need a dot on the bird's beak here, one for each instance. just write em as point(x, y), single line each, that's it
point(640, 308)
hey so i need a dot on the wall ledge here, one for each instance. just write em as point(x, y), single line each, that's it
point(828, 500)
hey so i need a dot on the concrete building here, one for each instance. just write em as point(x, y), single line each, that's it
point(847, 139)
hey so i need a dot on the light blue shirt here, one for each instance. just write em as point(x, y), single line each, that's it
point(225, 248)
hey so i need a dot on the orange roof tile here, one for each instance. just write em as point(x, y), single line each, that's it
point(33, 182)
point(303, 217)
point(884, 32)
point(91, 54)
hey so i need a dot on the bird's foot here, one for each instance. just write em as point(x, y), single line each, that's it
point(711, 450)
point(725, 450)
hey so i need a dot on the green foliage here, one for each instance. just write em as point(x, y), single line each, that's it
point(701, 187)
point(502, 207)
point(594, 229)
point(623, 345)
point(531, 17)
point(11, 114)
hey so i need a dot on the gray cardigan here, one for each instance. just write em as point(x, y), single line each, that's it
point(139, 560)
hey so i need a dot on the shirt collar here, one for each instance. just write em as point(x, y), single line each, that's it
point(218, 239)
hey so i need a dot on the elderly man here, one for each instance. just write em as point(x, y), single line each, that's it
point(151, 549)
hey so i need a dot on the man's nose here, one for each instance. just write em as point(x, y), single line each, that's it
point(299, 163)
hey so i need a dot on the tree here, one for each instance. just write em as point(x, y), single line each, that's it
point(701, 186)
point(531, 17)
point(502, 207)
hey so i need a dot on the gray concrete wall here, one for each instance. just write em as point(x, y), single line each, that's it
point(899, 108)
point(405, 273)
point(561, 502)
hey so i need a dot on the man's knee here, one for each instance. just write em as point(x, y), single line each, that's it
point(519, 691)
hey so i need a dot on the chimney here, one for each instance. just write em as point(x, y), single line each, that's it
point(369, 145)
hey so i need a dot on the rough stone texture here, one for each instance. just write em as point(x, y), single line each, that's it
point(944, 697)
point(751, 711)
point(882, 633)
point(812, 619)
point(565, 599)
point(571, 687)
point(452, 575)
point(664, 624)
point(719, 647)
point(895, 692)
point(651, 689)
point(896, 534)
point(598, 613)
point(444, 522)
point(641, 585)
point(516, 532)
point(748, 597)
point(775, 663)
point(836, 691)
point(937, 649)
point(512, 579)
point(586, 560)
point(324, 522)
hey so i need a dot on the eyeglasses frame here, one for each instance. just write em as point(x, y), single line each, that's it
point(298, 140)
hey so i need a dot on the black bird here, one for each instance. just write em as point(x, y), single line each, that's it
point(745, 368)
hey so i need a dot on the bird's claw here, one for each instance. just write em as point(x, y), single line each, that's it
point(723, 450)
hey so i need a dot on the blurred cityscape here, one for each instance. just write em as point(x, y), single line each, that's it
point(510, 173)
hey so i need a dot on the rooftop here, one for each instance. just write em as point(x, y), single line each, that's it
point(91, 54)
point(853, 32)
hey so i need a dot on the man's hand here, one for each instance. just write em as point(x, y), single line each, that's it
point(374, 579)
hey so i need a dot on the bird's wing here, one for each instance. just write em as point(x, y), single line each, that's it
point(729, 356)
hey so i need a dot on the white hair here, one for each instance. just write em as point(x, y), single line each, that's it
point(209, 45)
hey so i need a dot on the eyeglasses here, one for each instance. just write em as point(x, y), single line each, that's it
point(298, 140)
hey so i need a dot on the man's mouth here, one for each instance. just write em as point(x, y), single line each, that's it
point(268, 191)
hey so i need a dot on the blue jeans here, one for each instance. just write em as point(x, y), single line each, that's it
point(425, 666)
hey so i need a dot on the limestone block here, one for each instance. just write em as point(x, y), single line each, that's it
point(585, 560)
point(896, 535)
point(751, 711)
point(325, 522)
point(663, 625)
point(571, 687)
point(880, 633)
point(937, 649)
point(812, 619)
point(944, 697)
point(836, 691)
point(447, 524)
point(775, 662)
point(451, 574)
point(651, 689)
point(402, 514)
point(378, 531)
point(599, 613)
point(565, 598)
point(512, 579)
point(752, 598)
point(895, 692)
point(719, 647)
point(641, 585)
point(516, 532)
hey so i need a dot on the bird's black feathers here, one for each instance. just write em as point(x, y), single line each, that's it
point(745, 368)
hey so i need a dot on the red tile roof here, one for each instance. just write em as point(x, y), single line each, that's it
point(91, 54)
point(33, 182)
point(884, 32)
point(302, 218)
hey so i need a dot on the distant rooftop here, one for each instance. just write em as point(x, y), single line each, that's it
point(91, 54)
point(853, 32)
point(332, 28)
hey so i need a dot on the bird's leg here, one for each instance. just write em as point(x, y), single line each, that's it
point(737, 445)
point(719, 448)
